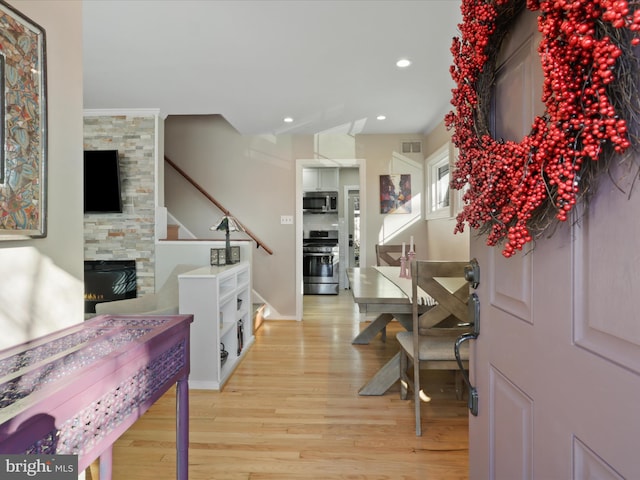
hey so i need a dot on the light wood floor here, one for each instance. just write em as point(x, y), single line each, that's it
point(292, 411)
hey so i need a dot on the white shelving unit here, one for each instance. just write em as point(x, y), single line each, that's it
point(220, 300)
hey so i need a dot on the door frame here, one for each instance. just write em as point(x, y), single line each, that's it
point(344, 245)
point(316, 162)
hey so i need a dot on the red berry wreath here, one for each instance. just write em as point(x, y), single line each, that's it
point(516, 189)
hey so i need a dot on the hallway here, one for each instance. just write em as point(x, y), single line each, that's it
point(292, 411)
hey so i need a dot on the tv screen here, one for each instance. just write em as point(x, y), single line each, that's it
point(102, 182)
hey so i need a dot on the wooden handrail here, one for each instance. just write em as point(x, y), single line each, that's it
point(217, 204)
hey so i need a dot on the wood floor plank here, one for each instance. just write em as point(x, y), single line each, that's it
point(291, 410)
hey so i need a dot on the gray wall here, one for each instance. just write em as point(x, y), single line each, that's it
point(41, 280)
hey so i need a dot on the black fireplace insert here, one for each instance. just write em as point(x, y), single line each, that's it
point(108, 280)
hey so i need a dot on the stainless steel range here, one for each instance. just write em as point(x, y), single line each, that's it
point(320, 257)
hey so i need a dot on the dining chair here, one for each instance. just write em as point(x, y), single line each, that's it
point(390, 255)
point(431, 343)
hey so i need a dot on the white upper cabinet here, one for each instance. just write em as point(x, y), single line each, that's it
point(320, 179)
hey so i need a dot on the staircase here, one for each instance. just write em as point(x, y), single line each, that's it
point(175, 231)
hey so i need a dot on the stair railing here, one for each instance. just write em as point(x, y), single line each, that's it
point(259, 243)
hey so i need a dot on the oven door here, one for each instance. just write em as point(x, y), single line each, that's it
point(319, 267)
point(320, 272)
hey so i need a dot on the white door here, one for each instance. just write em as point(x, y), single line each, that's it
point(557, 362)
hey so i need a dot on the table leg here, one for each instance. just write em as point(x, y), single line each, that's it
point(106, 461)
point(182, 429)
point(376, 326)
point(384, 378)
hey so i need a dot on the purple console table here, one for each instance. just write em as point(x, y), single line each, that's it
point(77, 390)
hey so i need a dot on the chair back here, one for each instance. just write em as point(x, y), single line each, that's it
point(431, 344)
point(443, 281)
point(389, 255)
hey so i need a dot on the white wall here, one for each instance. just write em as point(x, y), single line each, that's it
point(41, 280)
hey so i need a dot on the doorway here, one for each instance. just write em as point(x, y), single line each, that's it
point(350, 247)
point(343, 219)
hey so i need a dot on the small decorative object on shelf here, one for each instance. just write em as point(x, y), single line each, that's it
point(240, 336)
point(223, 354)
point(228, 224)
point(218, 256)
point(222, 256)
point(235, 254)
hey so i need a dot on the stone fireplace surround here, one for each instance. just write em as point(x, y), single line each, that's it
point(128, 235)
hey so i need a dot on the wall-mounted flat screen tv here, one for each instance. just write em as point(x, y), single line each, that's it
point(102, 182)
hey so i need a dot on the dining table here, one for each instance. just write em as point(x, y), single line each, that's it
point(381, 290)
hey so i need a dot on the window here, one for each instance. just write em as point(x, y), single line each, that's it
point(438, 195)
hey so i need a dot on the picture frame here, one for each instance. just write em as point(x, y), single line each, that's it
point(23, 127)
point(438, 196)
point(395, 193)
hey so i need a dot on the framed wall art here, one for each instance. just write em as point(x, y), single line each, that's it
point(395, 193)
point(23, 127)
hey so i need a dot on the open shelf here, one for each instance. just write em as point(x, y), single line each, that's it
point(219, 298)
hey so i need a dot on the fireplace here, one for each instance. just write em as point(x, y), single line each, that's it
point(108, 280)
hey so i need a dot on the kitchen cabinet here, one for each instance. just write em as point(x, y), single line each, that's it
point(219, 298)
point(320, 179)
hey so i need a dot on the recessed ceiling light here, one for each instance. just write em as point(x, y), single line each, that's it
point(381, 117)
point(288, 119)
point(403, 63)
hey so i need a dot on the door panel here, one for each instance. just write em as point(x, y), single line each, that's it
point(587, 464)
point(513, 297)
point(557, 361)
point(513, 81)
point(512, 437)
point(614, 336)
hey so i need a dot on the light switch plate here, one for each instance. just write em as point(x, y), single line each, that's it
point(286, 219)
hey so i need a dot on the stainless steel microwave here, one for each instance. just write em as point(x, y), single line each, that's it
point(320, 202)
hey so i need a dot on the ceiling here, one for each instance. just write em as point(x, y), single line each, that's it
point(330, 65)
